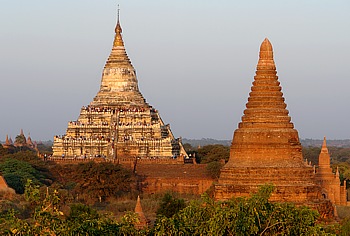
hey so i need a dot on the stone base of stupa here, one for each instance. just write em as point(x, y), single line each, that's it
point(293, 185)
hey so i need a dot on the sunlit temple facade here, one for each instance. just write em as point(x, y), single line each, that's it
point(118, 123)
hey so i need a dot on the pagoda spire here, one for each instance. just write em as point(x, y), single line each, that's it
point(266, 107)
point(324, 148)
point(29, 140)
point(142, 218)
point(119, 79)
point(7, 142)
point(266, 53)
point(337, 173)
point(118, 40)
point(324, 159)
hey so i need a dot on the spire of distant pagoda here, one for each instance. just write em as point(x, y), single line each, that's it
point(324, 148)
point(324, 159)
point(29, 140)
point(7, 142)
point(337, 173)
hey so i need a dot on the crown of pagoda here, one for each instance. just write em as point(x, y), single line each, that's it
point(266, 106)
point(266, 135)
point(324, 159)
point(119, 85)
point(7, 142)
point(29, 140)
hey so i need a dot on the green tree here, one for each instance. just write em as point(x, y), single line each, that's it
point(17, 172)
point(20, 140)
point(211, 153)
point(3, 151)
point(170, 205)
point(311, 154)
point(241, 216)
point(213, 169)
point(98, 181)
point(47, 219)
point(80, 213)
point(188, 147)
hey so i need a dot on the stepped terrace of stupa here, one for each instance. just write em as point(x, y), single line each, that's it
point(266, 148)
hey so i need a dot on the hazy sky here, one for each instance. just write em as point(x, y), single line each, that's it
point(195, 61)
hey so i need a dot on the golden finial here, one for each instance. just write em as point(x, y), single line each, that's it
point(118, 41)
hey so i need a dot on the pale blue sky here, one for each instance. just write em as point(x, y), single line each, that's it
point(195, 61)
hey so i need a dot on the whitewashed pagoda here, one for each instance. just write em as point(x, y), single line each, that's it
point(118, 123)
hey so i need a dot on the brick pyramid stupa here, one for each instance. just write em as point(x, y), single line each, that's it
point(266, 147)
point(118, 123)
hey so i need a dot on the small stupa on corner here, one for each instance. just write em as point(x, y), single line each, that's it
point(118, 124)
point(266, 148)
point(330, 181)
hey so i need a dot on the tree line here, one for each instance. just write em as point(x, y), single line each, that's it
point(66, 200)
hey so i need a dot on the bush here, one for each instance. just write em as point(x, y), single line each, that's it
point(170, 205)
point(17, 172)
point(213, 169)
point(210, 153)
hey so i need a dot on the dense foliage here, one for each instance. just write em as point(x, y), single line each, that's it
point(213, 155)
point(91, 181)
point(20, 166)
point(238, 216)
point(50, 203)
point(46, 218)
point(170, 205)
point(241, 216)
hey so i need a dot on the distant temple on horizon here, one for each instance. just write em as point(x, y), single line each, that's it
point(266, 149)
point(20, 141)
point(118, 123)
